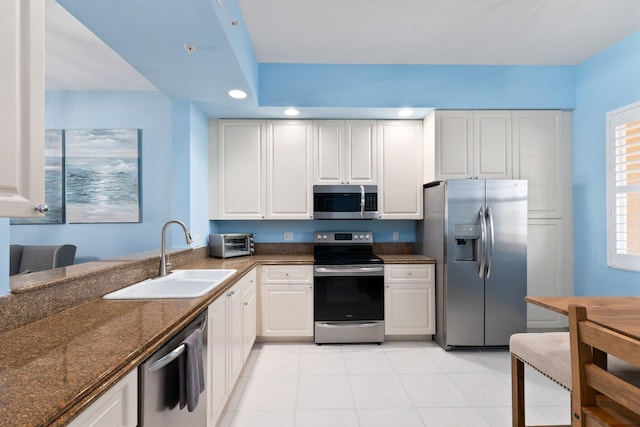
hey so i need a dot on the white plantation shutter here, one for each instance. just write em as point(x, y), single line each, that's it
point(623, 188)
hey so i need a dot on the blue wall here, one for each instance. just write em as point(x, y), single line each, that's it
point(148, 111)
point(605, 82)
point(273, 231)
point(437, 86)
point(4, 256)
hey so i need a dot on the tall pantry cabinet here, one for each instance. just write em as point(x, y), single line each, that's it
point(522, 144)
point(542, 155)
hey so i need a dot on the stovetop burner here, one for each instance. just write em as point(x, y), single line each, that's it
point(344, 248)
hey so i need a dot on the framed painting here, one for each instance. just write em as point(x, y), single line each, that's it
point(53, 180)
point(102, 175)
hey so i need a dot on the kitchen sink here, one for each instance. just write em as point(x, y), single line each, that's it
point(178, 284)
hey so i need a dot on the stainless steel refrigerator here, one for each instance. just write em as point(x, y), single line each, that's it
point(476, 230)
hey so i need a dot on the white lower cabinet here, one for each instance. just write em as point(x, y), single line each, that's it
point(229, 321)
point(409, 299)
point(218, 387)
point(286, 301)
point(118, 407)
point(546, 274)
point(249, 310)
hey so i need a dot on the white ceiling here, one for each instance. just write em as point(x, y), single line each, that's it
point(550, 32)
point(75, 59)
point(481, 32)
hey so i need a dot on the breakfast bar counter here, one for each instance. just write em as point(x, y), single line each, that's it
point(53, 368)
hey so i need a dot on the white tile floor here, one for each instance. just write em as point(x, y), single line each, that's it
point(399, 384)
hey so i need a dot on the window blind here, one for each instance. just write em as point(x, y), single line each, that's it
point(623, 187)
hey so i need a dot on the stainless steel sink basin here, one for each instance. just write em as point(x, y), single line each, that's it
point(178, 284)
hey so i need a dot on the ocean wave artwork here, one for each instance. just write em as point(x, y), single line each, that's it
point(102, 175)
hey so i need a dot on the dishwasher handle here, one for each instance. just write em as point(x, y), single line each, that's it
point(172, 355)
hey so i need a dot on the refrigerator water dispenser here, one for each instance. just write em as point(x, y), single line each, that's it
point(466, 237)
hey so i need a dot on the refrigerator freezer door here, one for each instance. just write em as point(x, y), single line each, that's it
point(463, 288)
point(506, 278)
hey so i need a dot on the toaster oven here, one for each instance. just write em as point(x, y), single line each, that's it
point(230, 245)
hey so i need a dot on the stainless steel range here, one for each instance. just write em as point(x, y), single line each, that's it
point(348, 288)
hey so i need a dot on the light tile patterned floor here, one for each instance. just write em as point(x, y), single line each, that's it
point(396, 384)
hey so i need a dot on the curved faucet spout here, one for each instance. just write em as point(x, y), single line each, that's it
point(163, 249)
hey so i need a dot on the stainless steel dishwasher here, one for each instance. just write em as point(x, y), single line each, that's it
point(159, 390)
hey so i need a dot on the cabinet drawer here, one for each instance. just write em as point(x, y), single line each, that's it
point(249, 281)
point(287, 274)
point(409, 273)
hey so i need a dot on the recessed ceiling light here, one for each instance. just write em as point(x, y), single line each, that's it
point(237, 94)
point(291, 112)
point(405, 112)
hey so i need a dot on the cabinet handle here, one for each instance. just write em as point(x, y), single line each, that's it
point(246, 303)
point(42, 208)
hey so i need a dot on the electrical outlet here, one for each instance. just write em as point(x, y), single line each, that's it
point(288, 236)
point(396, 235)
point(197, 240)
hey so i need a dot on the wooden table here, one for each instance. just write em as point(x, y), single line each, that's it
point(619, 313)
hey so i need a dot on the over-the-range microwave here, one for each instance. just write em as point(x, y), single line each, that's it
point(230, 245)
point(345, 201)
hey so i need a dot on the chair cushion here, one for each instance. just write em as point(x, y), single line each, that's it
point(548, 352)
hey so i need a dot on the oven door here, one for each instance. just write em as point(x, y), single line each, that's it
point(348, 293)
point(348, 304)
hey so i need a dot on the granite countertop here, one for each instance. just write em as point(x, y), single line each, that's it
point(52, 369)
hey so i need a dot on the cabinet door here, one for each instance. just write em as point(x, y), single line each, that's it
point(545, 270)
point(361, 152)
point(453, 144)
point(236, 359)
point(118, 407)
point(241, 170)
point(400, 172)
point(22, 107)
point(287, 310)
point(218, 386)
point(537, 138)
point(409, 299)
point(492, 144)
point(409, 308)
point(328, 142)
point(248, 322)
point(289, 170)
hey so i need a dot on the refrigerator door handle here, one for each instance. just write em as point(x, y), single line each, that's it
point(482, 243)
point(491, 241)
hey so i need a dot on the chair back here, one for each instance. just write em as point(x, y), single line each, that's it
point(601, 398)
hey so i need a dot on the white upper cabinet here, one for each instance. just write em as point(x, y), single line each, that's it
point(238, 167)
point(542, 157)
point(345, 152)
point(289, 170)
point(451, 141)
point(469, 144)
point(22, 107)
point(400, 171)
point(492, 144)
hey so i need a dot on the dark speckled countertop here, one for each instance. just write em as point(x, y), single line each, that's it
point(53, 368)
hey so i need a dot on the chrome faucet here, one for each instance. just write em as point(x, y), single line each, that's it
point(163, 250)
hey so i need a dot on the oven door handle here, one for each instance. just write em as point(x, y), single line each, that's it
point(349, 270)
point(349, 325)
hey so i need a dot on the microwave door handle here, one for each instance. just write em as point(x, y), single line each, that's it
point(362, 201)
